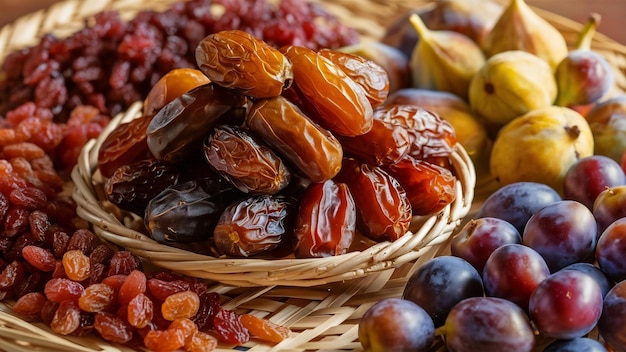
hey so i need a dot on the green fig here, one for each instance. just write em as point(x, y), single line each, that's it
point(511, 84)
point(521, 28)
point(444, 60)
point(584, 76)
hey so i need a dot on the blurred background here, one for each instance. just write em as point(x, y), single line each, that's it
point(612, 12)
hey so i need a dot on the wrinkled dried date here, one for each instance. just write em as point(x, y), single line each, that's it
point(328, 95)
point(383, 209)
point(368, 74)
point(237, 60)
point(126, 144)
point(132, 186)
point(245, 161)
point(384, 144)
point(429, 187)
point(254, 225)
point(187, 212)
point(177, 131)
point(326, 221)
point(314, 151)
point(431, 136)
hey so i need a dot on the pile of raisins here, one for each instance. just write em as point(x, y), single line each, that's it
point(285, 151)
point(89, 287)
point(111, 64)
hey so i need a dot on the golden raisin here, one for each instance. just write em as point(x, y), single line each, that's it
point(201, 342)
point(264, 329)
point(96, 298)
point(76, 264)
point(180, 305)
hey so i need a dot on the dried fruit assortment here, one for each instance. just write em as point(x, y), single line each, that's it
point(56, 96)
point(287, 151)
point(111, 64)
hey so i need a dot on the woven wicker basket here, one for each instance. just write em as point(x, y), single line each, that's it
point(320, 300)
point(429, 232)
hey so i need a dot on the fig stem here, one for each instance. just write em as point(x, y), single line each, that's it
point(588, 31)
point(419, 26)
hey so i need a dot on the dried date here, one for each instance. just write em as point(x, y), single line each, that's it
point(328, 95)
point(188, 211)
point(431, 136)
point(237, 60)
point(369, 75)
point(429, 187)
point(311, 149)
point(126, 144)
point(132, 186)
point(384, 144)
point(177, 131)
point(326, 221)
point(172, 85)
point(253, 226)
point(383, 209)
point(245, 161)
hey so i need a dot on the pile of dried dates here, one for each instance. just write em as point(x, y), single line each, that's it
point(271, 152)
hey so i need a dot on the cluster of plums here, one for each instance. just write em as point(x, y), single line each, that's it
point(533, 270)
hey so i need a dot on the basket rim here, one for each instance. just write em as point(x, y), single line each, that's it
point(426, 232)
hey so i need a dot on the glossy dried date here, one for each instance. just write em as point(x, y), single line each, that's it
point(253, 226)
point(384, 144)
point(383, 209)
point(177, 131)
point(132, 186)
point(326, 221)
point(429, 187)
point(328, 95)
point(126, 144)
point(245, 161)
point(431, 136)
point(172, 85)
point(237, 60)
point(187, 212)
point(314, 151)
point(368, 74)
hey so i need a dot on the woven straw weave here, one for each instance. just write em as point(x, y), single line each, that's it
point(323, 315)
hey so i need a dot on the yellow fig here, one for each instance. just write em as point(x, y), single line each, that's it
point(510, 84)
point(521, 28)
point(540, 146)
point(443, 59)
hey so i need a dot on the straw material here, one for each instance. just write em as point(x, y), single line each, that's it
point(320, 300)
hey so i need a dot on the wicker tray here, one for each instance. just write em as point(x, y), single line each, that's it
point(324, 312)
